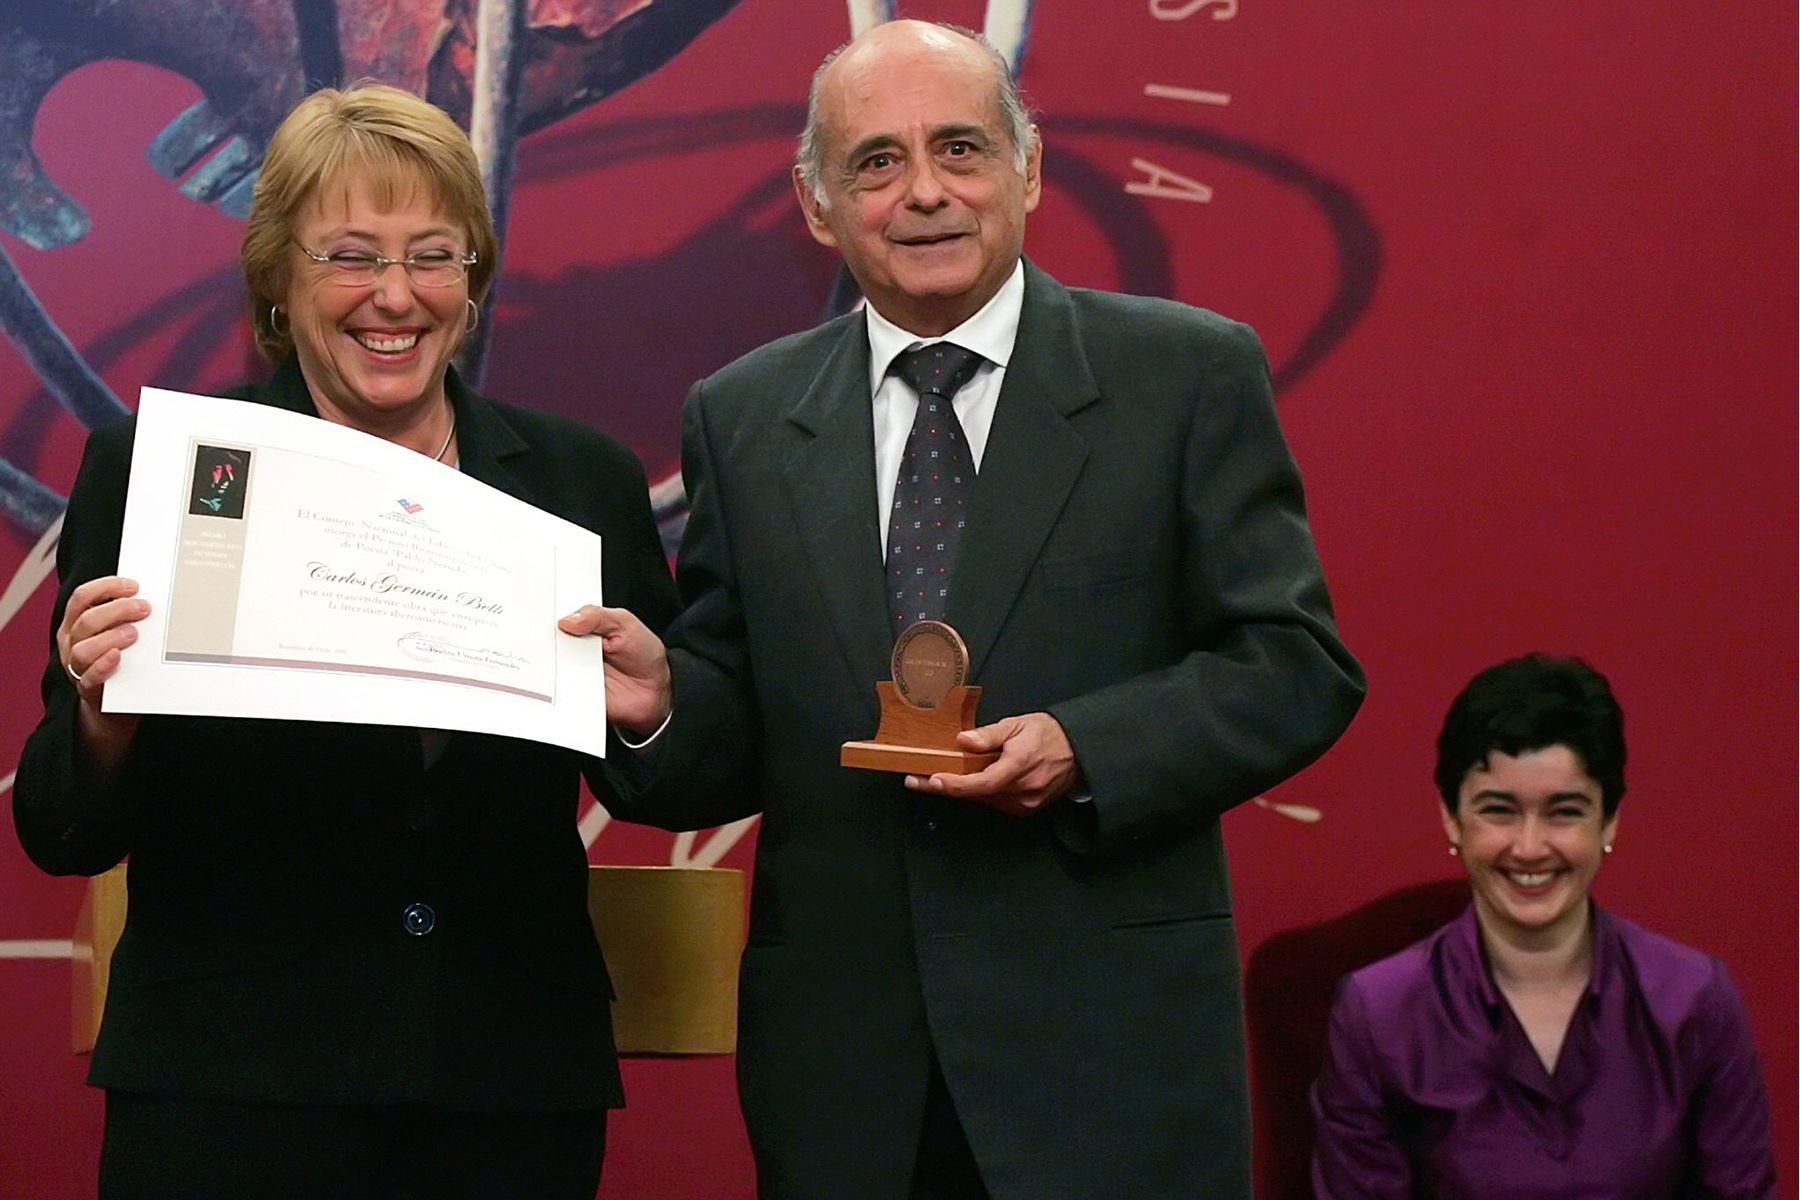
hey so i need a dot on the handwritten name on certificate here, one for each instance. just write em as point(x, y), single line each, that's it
point(303, 570)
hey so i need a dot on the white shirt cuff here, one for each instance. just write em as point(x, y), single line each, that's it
point(647, 742)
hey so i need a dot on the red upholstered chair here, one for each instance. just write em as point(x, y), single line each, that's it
point(1289, 983)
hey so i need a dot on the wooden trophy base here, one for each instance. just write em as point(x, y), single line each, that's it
point(920, 741)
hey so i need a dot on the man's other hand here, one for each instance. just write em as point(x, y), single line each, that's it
point(1036, 766)
point(638, 694)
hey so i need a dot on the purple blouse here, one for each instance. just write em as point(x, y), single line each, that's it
point(1431, 1088)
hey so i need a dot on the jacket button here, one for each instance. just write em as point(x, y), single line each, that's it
point(418, 919)
point(929, 825)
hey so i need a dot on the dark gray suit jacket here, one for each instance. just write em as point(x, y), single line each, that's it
point(1138, 563)
point(264, 956)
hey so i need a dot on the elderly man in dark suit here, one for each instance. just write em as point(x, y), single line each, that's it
point(1020, 983)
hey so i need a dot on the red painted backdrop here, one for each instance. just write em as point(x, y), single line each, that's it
point(1527, 275)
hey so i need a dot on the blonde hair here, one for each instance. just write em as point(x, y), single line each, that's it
point(384, 136)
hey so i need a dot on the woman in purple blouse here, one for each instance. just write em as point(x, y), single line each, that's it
point(1537, 1048)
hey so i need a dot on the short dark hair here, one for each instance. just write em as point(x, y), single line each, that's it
point(1532, 703)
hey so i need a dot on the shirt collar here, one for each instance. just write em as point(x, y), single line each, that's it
point(1606, 951)
point(1469, 957)
point(990, 333)
point(1464, 942)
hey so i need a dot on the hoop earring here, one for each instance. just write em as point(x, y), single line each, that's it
point(474, 316)
point(274, 325)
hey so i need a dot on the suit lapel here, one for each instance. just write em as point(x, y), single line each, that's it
point(286, 389)
point(1030, 464)
point(484, 441)
point(830, 481)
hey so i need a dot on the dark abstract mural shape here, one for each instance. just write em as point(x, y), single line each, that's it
point(254, 59)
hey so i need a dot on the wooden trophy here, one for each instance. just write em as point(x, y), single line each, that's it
point(923, 708)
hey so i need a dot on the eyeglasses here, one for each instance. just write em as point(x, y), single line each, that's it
point(427, 268)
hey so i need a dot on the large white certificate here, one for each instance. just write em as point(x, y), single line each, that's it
point(303, 570)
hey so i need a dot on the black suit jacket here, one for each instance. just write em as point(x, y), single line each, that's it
point(263, 956)
point(1138, 563)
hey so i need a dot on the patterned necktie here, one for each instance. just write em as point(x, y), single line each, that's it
point(936, 471)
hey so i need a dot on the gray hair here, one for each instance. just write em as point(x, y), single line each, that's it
point(809, 156)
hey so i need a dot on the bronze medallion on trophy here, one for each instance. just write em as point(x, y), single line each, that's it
point(927, 703)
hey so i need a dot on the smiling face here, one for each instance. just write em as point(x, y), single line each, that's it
point(374, 355)
point(1531, 833)
point(922, 192)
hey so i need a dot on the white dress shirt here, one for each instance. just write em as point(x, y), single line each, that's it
point(989, 333)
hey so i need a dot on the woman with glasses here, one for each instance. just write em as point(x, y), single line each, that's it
point(357, 960)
